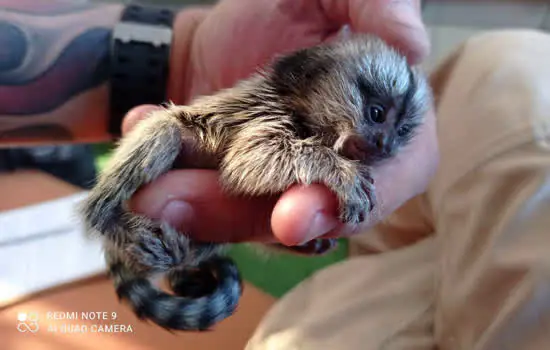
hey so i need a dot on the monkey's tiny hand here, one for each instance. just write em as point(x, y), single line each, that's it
point(349, 180)
point(361, 199)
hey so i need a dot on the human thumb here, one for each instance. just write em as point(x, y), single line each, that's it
point(398, 22)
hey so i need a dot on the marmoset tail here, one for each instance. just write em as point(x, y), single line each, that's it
point(326, 114)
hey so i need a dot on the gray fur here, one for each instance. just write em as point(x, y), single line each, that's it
point(306, 118)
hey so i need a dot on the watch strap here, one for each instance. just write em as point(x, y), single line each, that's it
point(140, 57)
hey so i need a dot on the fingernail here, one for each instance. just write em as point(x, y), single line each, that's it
point(178, 214)
point(320, 225)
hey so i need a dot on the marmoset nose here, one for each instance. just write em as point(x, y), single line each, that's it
point(381, 141)
point(384, 143)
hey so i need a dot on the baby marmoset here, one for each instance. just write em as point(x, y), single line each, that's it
point(326, 114)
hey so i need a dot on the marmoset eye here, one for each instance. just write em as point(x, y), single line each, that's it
point(404, 130)
point(376, 113)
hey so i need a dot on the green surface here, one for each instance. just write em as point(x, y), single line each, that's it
point(102, 153)
point(275, 274)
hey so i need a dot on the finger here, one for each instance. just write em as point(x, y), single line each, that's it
point(135, 115)
point(398, 22)
point(185, 26)
point(304, 213)
point(193, 202)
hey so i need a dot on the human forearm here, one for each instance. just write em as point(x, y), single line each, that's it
point(54, 71)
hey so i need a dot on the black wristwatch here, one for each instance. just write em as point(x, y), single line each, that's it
point(140, 56)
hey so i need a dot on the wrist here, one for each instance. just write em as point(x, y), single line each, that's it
point(181, 70)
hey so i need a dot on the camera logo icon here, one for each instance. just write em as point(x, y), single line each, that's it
point(27, 322)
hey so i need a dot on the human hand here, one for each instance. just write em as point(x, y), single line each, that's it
point(237, 36)
point(267, 28)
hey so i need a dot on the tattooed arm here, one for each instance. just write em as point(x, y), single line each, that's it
point(54, 58)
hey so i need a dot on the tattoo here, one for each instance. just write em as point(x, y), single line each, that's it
point(83, 64)
point(51, 58)
point(13, 38)
point(48, 7)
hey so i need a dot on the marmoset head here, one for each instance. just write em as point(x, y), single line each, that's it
point(358, 92)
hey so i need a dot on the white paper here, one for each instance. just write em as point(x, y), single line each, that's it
point(42, 246)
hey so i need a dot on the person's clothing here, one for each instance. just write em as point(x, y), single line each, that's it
point(465, 266)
